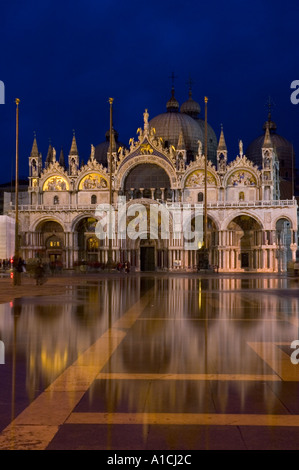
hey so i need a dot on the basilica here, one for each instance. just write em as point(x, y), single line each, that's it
point(251, 211)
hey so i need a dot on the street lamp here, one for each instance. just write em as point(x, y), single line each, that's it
point(110, 189)
point(17, 275)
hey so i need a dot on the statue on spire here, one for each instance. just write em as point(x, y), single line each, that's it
point(145, 118)
point(240, 148)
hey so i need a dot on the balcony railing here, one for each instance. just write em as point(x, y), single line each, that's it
point(210, 205)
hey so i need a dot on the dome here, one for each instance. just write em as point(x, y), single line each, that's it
point(283, 147)
point(285, 153)
point(191, 107)
point(170, 125)
point(101, 150)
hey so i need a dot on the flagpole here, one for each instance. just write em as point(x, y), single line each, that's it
point(206, 178)
point(16, 274)
point(110, 188)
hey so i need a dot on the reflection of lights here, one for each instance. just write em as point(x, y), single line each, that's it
point(200, 245)
point(199, 295)
point(52, 364)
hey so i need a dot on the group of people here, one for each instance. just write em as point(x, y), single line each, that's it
point(123, 267)
point(5, 264)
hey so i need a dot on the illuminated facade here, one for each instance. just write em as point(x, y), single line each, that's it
point(249, 227)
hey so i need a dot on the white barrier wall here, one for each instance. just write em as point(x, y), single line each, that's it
point(7, 237)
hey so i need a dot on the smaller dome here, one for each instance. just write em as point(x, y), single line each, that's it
point(101, 150)
point(172, 105)
point(191, 107)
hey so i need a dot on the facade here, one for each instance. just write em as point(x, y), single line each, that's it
point(249, 227)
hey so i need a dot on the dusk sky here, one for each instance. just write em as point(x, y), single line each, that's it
point(64, 60)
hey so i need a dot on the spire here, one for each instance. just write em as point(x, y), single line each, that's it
point(181, 142)
point(74, 148)
point(61, 158)
point(49, 154)
point(267, 140)
point(172, 105)
point(34, 151)
point(269, 122)
point(221, 144)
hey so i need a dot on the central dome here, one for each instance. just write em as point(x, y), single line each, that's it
point(184, 122)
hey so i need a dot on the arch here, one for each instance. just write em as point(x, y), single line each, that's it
point(231, 217)
point(92, 180)
point(147, 176)
point(39, 222)
point(241, 196)
point(128, 166)
point(56, 200)
point(284, 217)
point(80, 217)
point(243, 176)
point(199, 168)
point(196, 179)
point(200, 196)
point(56, 183)
point(93, 199)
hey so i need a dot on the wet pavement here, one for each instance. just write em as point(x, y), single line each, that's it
point(150, 361)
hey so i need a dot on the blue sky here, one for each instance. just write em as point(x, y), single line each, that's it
point(65, 59)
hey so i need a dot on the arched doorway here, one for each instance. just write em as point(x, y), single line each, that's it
point(283, 242)
point(88, 243)
point(50, 235)
point(200, 258)
point(147, 255)
point(244, 236)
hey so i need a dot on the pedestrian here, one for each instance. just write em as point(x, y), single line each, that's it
point(39, 274)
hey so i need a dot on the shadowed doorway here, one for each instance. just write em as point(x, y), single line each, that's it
point(147, 258)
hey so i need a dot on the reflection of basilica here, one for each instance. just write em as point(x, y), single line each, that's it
point(252, 219)
point(192, 331)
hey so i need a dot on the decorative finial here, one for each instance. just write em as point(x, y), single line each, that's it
point(190, 83)
point(173, 77)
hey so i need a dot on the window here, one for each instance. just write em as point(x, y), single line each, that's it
point(56, 200)
point(92, 244)
point(93, 199)
point(200, 197)
point(241, 196)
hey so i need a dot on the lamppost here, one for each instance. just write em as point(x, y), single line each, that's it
point(203, 259)
point(110, 189)
point(16, 274)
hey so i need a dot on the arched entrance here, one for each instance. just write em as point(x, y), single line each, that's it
point(201, 259)
point(147, 255)
point(283, 242)
point(50, 235)
point(88, 243)
point(245, 239)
